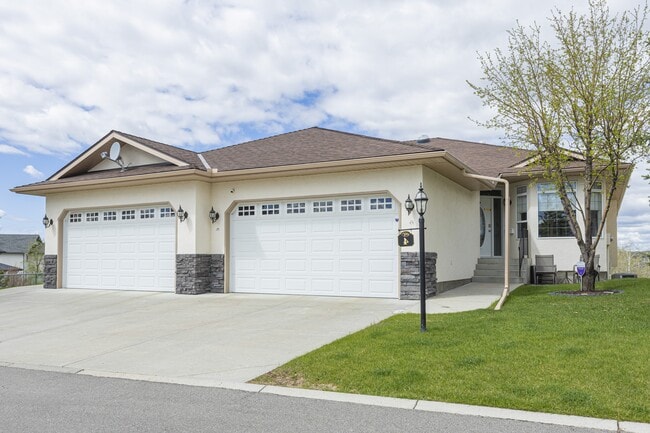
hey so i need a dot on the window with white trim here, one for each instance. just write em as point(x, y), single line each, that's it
point(350, 205)
point(246, 210)
point(522, 212)
point(75, 218)
point(92, 217)
point(270, 209)
point(147, 214)
point(294, 208)
point(128, 214)
point(167, 212)
point(596, 208)
point(380, 203)
point(109, 215)
point(323, 206)
point(552, 221)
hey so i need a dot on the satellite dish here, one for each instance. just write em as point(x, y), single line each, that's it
point(423, 139)
point(115, 151)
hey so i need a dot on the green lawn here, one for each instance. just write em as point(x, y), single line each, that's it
point(585, 356)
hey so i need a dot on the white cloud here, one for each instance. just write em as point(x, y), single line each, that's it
point(207, 73)
point(2, 213)
point(33, 172)
point(10, 150)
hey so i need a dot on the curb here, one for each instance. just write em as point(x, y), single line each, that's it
point(370, 400)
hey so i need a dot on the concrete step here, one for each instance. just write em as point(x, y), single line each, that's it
point(497, 272)
point(480, 279)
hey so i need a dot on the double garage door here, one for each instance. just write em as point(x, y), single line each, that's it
point(333, 246)
point(125, 248)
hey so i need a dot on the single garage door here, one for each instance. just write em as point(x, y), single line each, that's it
point(123, 249)
point(335, 246)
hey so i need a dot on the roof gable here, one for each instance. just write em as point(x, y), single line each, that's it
point(91, 159)
point(16, 244)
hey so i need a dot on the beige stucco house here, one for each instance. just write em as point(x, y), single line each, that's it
point(313, 212)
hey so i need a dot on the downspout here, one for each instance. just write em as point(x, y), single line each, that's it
point(506, 271)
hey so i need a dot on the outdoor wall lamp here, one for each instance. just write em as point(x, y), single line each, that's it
point(214, 215)
point(182, 214)
point(47, 222)
point(408, 204)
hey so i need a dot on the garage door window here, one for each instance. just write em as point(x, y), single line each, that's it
point(92, 216)
point(380, 203)
point(350, 205)
point(166, 212)
point(128, 214)
point(75, 217)
point(323, 206)
point(270, 209)
point(295, 208)
point(147, 213)
point(110, 215)
point(246, 210)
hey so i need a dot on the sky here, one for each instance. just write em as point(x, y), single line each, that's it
point(204, 74)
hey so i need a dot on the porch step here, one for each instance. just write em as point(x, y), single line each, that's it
point(490, 270)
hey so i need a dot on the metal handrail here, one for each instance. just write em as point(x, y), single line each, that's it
point(523, 248)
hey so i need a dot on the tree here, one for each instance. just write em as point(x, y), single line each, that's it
point(35, 257)
point(582, 100)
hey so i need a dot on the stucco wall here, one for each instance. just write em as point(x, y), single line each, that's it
point(452, 225)
point(564, 249)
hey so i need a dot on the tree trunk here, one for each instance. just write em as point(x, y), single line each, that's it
point(589, 279)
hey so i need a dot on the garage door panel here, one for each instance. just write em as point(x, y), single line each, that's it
point(326, 249)
point(132, 254)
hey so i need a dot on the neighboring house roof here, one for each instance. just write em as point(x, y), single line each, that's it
point(16, 244)
point(307, 146)
point(8, 268)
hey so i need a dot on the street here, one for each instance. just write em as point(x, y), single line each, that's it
point(42, 401)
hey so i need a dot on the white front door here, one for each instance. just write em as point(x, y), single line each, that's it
point(326, 246)
point(130, 248)
point(486, 227)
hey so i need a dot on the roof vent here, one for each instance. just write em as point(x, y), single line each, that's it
point(423, 138)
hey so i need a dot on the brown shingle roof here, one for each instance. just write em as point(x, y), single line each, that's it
point(306, 146)
point(187, 156)
point(485, 159)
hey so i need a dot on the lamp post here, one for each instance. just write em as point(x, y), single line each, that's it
point(420, 206)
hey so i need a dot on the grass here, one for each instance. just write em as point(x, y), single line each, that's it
point(586, 356)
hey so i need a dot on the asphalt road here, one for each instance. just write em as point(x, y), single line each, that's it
point(41, 401)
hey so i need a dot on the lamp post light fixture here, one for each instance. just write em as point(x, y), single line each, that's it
point(214, 215)
point(182, 214)
point(47, 222)
point(420, 206)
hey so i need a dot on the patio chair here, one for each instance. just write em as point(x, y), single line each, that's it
point(545, 265)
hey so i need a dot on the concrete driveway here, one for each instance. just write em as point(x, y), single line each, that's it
point(223, 338)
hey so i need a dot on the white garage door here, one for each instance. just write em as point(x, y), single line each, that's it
point(337, 247)
point(124, 249)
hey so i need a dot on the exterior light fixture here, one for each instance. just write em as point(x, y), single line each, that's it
point(421, 200)
point(420, 205)
point(408, 204)
point(214, 215)
point(182, 214)
point(47, 222)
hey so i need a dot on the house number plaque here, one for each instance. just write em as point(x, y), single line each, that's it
point(405, 239)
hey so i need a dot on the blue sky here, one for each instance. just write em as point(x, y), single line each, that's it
point(202, 74)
